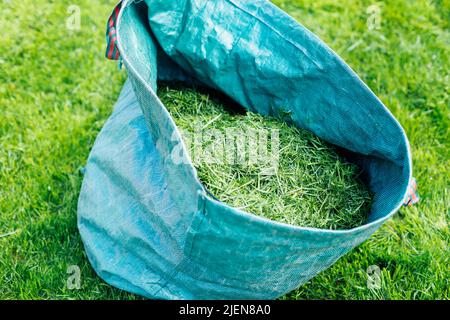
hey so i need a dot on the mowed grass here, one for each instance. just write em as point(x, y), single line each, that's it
point(57, 90)
point(266, 166)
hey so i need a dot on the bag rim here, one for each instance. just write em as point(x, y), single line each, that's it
point(204, 195)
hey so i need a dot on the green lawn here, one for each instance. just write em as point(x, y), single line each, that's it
point(57, 90)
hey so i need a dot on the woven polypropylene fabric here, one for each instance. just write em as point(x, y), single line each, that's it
point(147, 223)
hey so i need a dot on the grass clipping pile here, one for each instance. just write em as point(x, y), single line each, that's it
point(304, 183)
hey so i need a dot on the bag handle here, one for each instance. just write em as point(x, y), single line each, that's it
point(112, 52)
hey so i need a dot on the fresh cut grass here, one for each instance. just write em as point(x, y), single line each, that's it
point(267, 167)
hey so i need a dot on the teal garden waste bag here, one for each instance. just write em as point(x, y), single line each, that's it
point(147, 223)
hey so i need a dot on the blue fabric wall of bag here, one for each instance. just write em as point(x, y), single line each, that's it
point(147, 223)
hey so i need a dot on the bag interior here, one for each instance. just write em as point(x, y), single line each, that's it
point(266, 62)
